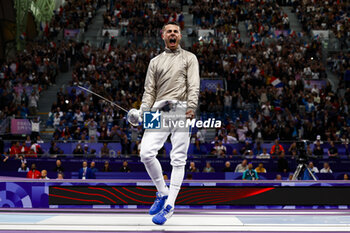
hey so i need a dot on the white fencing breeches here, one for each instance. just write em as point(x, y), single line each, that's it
point(154, 139)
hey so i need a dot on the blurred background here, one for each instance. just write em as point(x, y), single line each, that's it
point(274, 72)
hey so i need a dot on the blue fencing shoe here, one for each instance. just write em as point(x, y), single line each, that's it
point(158, 204)
point(163, 215)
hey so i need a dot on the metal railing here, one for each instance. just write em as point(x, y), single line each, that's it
point(79, 157)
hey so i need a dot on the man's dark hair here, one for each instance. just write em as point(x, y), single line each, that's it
point(170, 23)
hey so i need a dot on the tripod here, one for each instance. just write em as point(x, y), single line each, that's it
point(300, 168)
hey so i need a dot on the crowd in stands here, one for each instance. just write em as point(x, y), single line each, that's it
point(23, 78)
point(296, 110)
point(325, 15)
point(85, 172)
point(74, 14)
point(219, 15)
point(339, 64)
point(248, 150)
point(262, 18)
point(252, 106)
point(247, 170)
point(77, 114)
point(116, 74)
point(141, 18)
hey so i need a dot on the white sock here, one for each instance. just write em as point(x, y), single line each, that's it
point(177, 176)
point(154, 170)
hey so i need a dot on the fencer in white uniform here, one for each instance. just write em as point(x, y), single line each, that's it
point(172, 87)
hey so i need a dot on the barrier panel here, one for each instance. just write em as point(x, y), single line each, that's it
point(24, 193)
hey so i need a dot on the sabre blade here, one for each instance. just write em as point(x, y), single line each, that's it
point(91, 92)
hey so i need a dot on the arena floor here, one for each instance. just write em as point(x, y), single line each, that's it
point(136, 220)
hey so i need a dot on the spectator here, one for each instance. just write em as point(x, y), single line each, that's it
point(234, 153)
point(294, 155)
point(93, 168)
point(44, 175)
point(85, 172)
point(92, 126)
point(33, 173)
point(59, 168)
point(231, 139)
point(54, 149)
point(137, 147)
point(192, 168)
point(282, 164)
point(242, 167)
point(28, 140)
point(56, 120)
point(318, 150)
point(278, 177)
point(31, 153)
point(39, 140)
point(307, 175)
point(276, 148)
point(220, 149)
point(241, 132)
point(36, 149)
point(250, 173)
point(263, 155)
point(60, 176)
point(15, 149)
point(292, 149)
point(346, 176)
point(212, 153)
point(208, 168)
point(33, 103)
point(126, 145)
point(125, 167)
point(79, 116)
point(326, 168)
point(3, 158)
point(201, 135)
point(312, 168)
point(86, 151)
point(23, 168)
point(332, 151)
point(258, 150)
point(106, 167)
point(290, 177)
point(189, 176)
point(227, 167)
point(318, 140)
point(35, 128)
point(78, 150)
point(309, 152)
point(246, 149)
point(22, 159)
point(260, 168)
point(104, 150)
point(250, 155)
point(200, 149)
point(92, 153)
